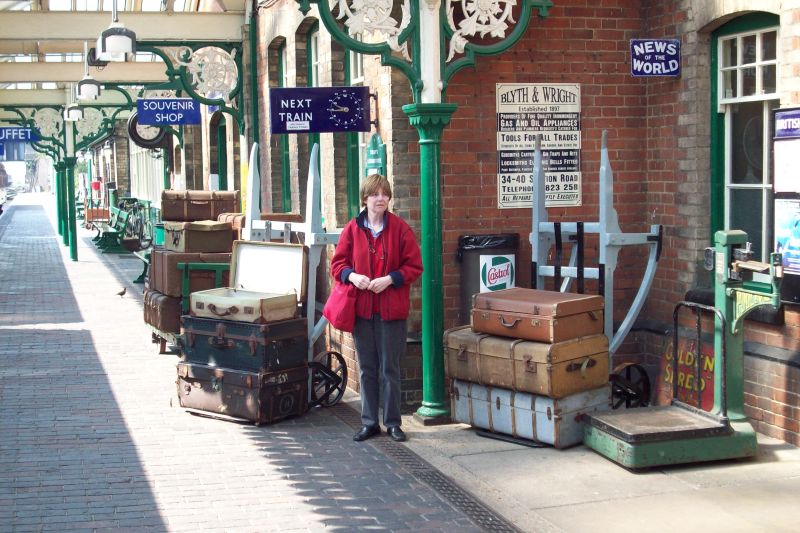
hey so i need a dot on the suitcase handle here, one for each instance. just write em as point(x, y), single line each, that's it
point(229, 311)
point(588, 363)
point(503, 322)
point(221, 342)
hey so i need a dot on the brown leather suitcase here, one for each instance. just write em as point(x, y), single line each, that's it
point(191, 206)
point(164, 275)
point(162, 312)
point(531, 314)
point(553, 370)
point(260, 397)
point(201, 236)
point(236, 220)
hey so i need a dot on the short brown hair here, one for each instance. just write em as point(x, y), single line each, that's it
point(372, 184)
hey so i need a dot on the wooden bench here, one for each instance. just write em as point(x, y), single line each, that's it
point(110, 236)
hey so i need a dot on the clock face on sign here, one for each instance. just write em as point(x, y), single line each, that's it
point(145, 136)
point(346, 109)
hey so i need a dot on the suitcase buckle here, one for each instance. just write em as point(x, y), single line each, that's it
point(462, 352)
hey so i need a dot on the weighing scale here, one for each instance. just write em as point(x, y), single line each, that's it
point(680, 433)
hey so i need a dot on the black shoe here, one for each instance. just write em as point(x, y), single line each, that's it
point(366, 432)
point(396, 434)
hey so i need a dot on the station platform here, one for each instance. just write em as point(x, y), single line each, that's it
point(92, 439)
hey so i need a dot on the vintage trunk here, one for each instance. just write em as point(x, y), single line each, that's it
point(203, 236)
point(557, 422)
point(260, 397)
point(554, 370)
point(236, 220)
point(544, 316)
point(191, 206)
point(164, 275)
point(245, 346)
point(162, 312)
point(268, 280)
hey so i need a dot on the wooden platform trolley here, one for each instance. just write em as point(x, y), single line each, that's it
point(248, 349)
point(630, 384)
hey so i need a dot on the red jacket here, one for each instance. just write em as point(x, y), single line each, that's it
point(403, 263)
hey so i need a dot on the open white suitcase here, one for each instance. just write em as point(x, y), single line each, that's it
point(268, 280)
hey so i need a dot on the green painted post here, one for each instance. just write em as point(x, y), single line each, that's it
point(724, 241)
point(69, 163)
point(430, 120)
point(58, 167)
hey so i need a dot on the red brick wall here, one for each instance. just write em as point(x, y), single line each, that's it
point(577, 43)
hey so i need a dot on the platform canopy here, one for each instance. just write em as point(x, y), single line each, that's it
point(42, 41)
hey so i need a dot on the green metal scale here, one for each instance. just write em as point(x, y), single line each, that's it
point(679, 433)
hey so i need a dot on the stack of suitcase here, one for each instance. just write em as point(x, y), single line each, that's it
point(531, 363)
point(192, 234)
point(245, 347)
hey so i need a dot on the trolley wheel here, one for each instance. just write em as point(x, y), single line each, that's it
point(328, 378)
point(630, 385)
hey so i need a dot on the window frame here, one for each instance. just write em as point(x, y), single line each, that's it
point(721, 122)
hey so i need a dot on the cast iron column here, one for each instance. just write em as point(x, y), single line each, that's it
point(430, 120)
point(61, 225)
point(69, 163)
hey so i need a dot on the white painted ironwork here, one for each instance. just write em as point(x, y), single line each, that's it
point(373, 17)
point(477, 17)
point(213, 70)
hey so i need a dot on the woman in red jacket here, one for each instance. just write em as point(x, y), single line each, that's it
point(379, 255)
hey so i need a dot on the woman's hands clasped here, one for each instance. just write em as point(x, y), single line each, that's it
point(376, 285)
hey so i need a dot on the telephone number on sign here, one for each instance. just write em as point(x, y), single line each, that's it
point(559, 187)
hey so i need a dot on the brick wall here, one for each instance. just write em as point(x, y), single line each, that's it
point(575, 44)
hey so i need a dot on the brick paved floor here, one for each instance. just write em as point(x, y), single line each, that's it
point(90, 438)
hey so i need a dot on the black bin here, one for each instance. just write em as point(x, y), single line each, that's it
point(498, 272)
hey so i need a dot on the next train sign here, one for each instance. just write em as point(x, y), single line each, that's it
point(655, 57)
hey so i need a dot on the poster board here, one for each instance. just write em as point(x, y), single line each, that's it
point(786, 184)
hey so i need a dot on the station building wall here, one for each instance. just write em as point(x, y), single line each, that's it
point(659, 140)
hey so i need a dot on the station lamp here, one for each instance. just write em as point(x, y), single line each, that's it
point(73, 112)
point(88, 88)
point(117, 42)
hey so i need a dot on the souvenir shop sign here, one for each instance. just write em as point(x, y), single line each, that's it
point(167, 111)
point(319, 109)
point(523, 112)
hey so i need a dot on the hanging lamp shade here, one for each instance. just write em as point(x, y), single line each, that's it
point(73, 112)
point(87, 89)
point(116, 43)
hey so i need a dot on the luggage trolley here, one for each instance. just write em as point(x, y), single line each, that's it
point(328, 370)
point(251, 357)
point(630, 384)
